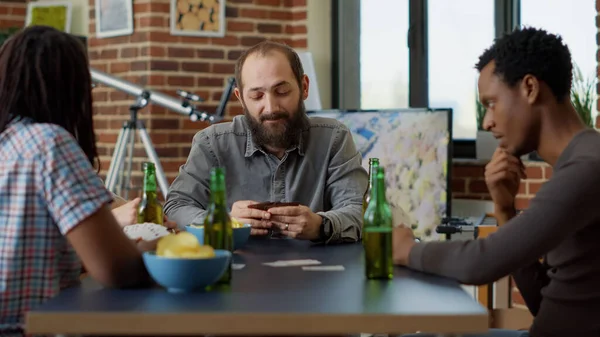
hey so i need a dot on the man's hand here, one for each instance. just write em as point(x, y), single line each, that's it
point(127, 214)
point(403, 240)
point(145, 246)
point(170, 224)
point(259, 219)
point(503, 175)
point(297, 222)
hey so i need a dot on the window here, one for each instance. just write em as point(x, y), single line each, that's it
point(384, 58)
point(575, 21)
point(458, 32)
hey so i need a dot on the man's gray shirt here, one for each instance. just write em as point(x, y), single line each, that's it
point(322, 172)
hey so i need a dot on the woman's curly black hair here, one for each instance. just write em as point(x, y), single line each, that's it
point(531, 51)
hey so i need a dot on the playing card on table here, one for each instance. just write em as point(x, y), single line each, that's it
point(292, 263)
point(323, 268)
point(146, 231)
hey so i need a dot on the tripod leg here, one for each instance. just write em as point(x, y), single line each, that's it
point(160, 173)
point(126, 183)
point(117, 160)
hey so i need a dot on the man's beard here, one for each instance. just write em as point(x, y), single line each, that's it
point(282, 135)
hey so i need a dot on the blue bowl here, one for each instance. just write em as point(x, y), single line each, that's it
point(240, 235)
point(186, 274)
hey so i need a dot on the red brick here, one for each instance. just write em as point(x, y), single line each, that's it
point(234, 26)
point(129, 52)
point(154, 51)
point(156, 80)
point(522, 203)
point(268, 2)
point(196, 41)
point(466, 171)
point(533, 188)
point(152, 21)
point(210, 53)
point(522, 188)
point(459, 185)
point(181, 52)
point(280, 15)
point(118, 96)
point(138, 8)
point(165, 123)
point(269, 28)
point(294, 3)
point(159, 138)
point(287, 42)
point(184, 81)
point(99, 96)
point(548, 172)
point(158, 7)
point(18, 11)
point(231, 12)
point(216, 96)
point(100, 124)
point(300, 15)
point(109, 54)
point(182, 137)
point(120, 67)
point(300, 43)
point(251, 40)
point(223, 68)
point(234, 54)
point(169, 151)
point(197, 67)
point(477, 186)
point(164, 65)
point(209, 82)
point(107, 137)
point(300, 29)
point(225, 41)
point(239, 1)
point(254, 13)
point(139, 65)
point(534, 172)
point(162, 37)
point(189, 125)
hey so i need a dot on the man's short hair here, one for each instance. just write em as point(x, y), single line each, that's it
point(535, 52)
point(265, 47)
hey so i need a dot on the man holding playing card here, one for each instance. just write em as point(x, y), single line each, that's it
point(275, 153)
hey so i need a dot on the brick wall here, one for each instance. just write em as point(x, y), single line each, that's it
point(151, 57)
point(12, 13)
point(468, 181)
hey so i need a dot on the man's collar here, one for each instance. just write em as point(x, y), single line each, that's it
point(251, 147)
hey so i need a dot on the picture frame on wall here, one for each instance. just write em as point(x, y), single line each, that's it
point(57, 14)
point(114, 18)
point(204, 18)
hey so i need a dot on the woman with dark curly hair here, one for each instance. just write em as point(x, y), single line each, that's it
point(54, 209)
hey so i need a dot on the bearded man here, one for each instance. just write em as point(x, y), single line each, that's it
point(276, 153)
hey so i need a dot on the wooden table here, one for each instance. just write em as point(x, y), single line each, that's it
point(266, 300)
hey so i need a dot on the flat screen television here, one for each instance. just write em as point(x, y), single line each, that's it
point(415, 147)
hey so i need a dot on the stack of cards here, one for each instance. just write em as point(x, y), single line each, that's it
point(146, 231)
point(307, 265)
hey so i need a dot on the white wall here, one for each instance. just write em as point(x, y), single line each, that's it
point(79, 19)
point(319, 44)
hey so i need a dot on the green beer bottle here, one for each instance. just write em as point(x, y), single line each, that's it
point(377, 231)
point(373, 164)
point(150, 209)
point(218, 232)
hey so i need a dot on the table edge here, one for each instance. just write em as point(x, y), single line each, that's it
point(250, 323)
